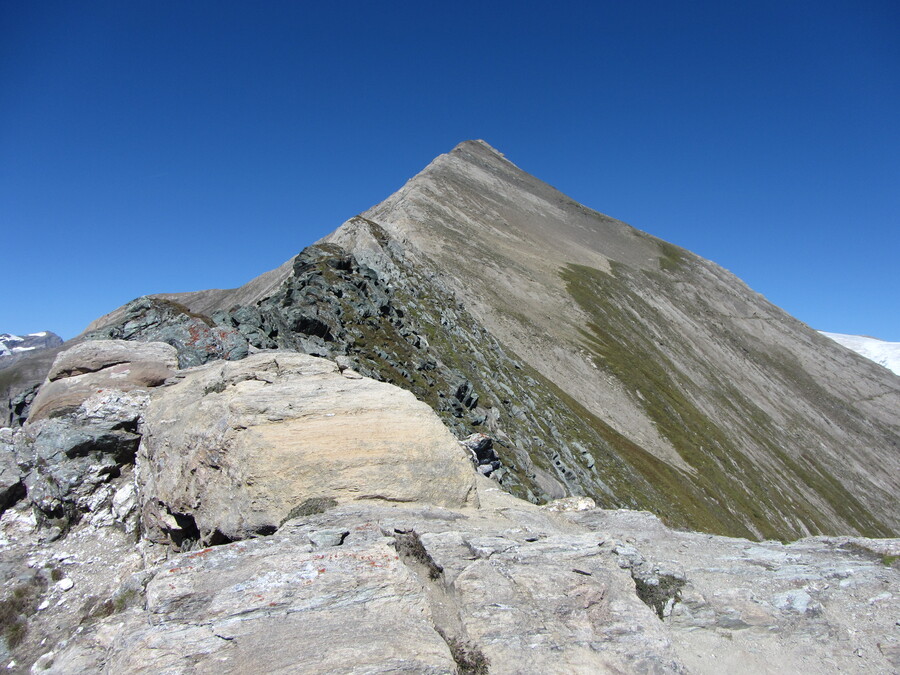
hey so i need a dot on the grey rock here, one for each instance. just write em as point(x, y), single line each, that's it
point(12, 484)
point(506, 585)
point(94, 355)
point(483, 454)
point(794, 601)
point(327, 538)
point(66, 463)
point(196, 337)
point(81, 434)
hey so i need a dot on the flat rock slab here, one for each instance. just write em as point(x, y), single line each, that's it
point(816, 605)
point(507, 588)
point(282, 605)
point(96, 366)
point(246, 608)
point(93, 355)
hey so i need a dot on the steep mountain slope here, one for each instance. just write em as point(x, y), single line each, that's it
point(24, 361)
point(13, 347)
point(739, 410)
point(601, 360)
point(883, 353)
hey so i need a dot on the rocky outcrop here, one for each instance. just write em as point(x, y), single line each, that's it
point(506, 588)
point(150, 319)
point(232, 448)
point(101, 365)
point(74, 456)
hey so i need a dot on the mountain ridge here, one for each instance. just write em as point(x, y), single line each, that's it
point(600, 359)
point(471, 265)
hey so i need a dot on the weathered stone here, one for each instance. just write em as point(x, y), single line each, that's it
point(196, 337)
point(277, 607)
point(571, 504)
point(93, 367)
point(94, 355)
point(504, 588)
point(329, 537)
point(483, 454)
point(12, 484)
point(19, 405)
point(233, 447)
point(66, 463)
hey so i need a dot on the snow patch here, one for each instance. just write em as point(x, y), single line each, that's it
point(883, 353)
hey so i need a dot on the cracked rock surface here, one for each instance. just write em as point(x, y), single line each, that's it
point(318, 521)
point(504, 588)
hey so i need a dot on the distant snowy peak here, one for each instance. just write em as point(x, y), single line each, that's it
point(14, 346)
point(883, 353)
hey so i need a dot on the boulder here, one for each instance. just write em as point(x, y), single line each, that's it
point(101, 365)
point(94, 355)
point(232, 448)
point(69, 468)
point(483, 454)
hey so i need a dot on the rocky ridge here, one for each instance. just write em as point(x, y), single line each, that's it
point(599, 360)
point(319, 566)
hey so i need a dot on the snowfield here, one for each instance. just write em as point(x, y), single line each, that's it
point(881, 352)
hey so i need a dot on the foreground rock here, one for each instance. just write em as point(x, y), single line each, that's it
point(365, 541)
point(507, 588)
point(74, 455)
point(232, 448)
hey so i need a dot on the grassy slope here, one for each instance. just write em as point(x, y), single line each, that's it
point(730, 493)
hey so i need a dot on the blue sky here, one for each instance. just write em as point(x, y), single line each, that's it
point(171, 146)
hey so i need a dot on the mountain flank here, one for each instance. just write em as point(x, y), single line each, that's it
point(739, 416)
point(599, 360)
point(288, 476)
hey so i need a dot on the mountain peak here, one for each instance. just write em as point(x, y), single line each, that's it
point(602, 361)
point(477, 145)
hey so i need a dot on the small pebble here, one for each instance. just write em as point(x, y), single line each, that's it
point(65, 584)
